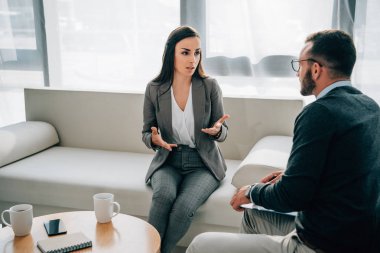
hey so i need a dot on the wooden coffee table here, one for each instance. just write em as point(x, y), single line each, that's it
point(124, 234)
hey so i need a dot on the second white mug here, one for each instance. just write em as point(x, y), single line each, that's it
point(104, 207)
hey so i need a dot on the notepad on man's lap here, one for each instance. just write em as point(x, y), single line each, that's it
point(253, 206)
point(64, 243)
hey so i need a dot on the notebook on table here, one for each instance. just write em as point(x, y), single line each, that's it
point(65, 243)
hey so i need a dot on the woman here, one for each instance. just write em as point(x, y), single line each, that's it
point(183, 117)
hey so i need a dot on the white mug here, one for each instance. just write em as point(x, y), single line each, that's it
point(21, 217)
point(103, 207)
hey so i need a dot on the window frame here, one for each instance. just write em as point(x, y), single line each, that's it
point(36, 56)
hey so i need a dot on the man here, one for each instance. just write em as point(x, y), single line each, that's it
point(333, 173)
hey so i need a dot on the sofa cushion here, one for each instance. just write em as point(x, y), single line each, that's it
point(26, 138)
point(68, 177)
point(269, 154)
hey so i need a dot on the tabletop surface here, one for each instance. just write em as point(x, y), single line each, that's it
point(124, 234)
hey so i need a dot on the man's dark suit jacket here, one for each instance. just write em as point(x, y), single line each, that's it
point(333, 173)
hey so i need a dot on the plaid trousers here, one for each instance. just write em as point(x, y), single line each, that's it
point(180, 187)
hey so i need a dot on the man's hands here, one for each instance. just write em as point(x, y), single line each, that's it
point(158, 141)
point(239, 199)
point(217, 126)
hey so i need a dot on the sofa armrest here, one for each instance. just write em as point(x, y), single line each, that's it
point(24, 139)
point(269, 154)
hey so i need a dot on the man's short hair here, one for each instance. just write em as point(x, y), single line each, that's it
point(336, 48)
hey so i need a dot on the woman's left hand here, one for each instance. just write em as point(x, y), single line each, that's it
point(217, 126)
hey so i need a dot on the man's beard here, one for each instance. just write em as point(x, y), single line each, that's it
point(307, 84)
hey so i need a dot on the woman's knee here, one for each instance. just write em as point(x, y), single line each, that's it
point(184, 209)
point(165, 194)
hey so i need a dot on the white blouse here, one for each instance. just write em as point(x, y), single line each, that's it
point(183, 121)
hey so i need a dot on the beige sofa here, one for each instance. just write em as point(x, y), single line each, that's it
point(78, 143)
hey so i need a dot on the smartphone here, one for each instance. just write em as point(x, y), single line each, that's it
point(55, 227)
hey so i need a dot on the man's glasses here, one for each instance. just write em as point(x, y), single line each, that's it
point(296, 63)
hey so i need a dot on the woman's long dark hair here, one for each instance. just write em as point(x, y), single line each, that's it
point(167, 69)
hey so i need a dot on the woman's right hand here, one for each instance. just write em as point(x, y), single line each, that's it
point(158, 141)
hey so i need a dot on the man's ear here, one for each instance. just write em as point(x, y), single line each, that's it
point(316, 71)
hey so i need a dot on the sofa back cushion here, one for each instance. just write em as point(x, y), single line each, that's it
point(24, 139)
point(113, 120)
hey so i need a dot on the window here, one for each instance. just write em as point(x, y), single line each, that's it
point(113, 44)
point(21, 57)
point(260, 28)
point(118, 44)
point(250, 43)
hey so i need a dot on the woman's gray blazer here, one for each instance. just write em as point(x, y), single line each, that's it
point(208, 108)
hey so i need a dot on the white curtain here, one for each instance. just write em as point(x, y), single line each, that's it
point(113, 44)
point(263, 27)
point(367, 39)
